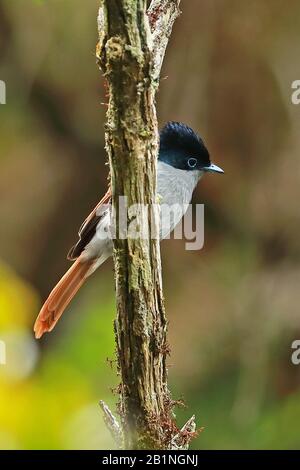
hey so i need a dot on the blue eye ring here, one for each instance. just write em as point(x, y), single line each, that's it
point(192, 162)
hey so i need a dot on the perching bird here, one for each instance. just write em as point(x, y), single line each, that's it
point(182, 161)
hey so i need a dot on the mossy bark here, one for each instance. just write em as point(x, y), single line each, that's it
point(124, 54)
point(132, 44)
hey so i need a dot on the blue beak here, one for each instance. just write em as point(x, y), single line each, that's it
point(213, 168)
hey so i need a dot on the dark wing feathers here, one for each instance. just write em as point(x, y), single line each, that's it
point(85, 236)
point(88, 228)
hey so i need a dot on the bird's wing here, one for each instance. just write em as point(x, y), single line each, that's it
point(88, 228)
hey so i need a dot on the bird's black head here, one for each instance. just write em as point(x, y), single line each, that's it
point(183, 149)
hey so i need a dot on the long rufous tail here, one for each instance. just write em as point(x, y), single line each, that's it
point(61, 296)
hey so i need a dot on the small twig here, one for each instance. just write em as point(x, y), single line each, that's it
point(112, 425)
point(186, 433)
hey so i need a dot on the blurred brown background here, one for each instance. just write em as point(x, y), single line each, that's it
point(233, 307)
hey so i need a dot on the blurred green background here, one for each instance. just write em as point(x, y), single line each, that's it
point(233, 307)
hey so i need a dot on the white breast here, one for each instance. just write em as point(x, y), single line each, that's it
point(175, 189)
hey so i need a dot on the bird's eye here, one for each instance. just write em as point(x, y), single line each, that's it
point(192, 162)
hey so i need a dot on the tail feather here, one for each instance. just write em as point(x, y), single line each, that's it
point(61, 296)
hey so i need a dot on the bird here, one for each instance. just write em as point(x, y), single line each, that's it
point(182, 161)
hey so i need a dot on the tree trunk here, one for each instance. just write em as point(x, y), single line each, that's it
point(131, 64)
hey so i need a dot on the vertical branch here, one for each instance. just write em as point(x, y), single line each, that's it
point(130, 56)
